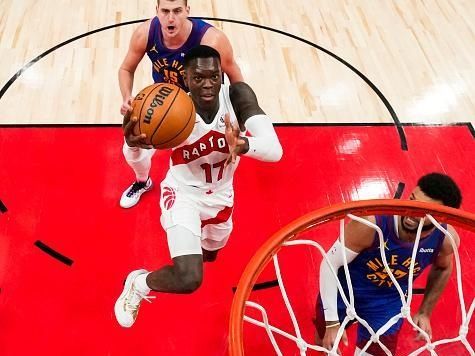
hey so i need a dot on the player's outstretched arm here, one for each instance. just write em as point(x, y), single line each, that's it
point(264, 144)
point(436, 281)
point(357, 238)
point(137, 49)
point(218, 40)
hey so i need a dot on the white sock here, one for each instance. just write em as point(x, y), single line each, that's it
point(140, 283)
point(140, 160)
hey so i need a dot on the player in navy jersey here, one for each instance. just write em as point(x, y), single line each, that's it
point(166, 39)
point(197, 193)
point(376, 298)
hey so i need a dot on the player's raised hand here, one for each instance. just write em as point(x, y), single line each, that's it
point(330, 337)
point(423, 321)
point(132, 139)
point(236, 143)
point(126, 105)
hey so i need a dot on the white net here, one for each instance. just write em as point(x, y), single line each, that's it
point(351, 314)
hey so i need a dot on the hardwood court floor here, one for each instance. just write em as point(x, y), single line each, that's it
point(418, 53)
point(62, 170)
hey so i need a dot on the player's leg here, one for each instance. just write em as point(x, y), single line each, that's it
point(216, 224)
point(389, 340)
point(186, 273)
point(183, 276)
point(181, 220)
point(140, 160)
point(209, 256)
point(377, 320)
point(210, 248)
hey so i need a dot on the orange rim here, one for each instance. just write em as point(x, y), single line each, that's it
point(335, 212)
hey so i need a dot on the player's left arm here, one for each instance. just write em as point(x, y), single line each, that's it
point(220, 42)
point(436, 281)
point(264, 144)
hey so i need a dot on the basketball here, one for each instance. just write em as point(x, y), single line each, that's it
point(165, 113)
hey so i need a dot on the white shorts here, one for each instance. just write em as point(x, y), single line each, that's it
point(207, 216)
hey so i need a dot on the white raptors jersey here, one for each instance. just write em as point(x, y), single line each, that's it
point(199, 161)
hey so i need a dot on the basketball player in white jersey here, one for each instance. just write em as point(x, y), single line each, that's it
point(197, 194)
point(166, 39)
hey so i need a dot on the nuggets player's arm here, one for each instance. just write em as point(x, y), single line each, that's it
point(357, 238)
point(218, 40)
point(439, 273)
point(135, 53)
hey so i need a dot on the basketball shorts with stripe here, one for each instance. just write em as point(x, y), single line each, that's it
point(207, 215)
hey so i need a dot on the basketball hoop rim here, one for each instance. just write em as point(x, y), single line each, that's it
point(264, 254)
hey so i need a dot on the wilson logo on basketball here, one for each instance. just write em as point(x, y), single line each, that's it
point(140, 96)
point(169, 197)
point(162, 94)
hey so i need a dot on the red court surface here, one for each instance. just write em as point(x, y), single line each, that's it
point(61, 186)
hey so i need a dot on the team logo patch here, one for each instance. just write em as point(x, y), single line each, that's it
point(168, 197)
point(154, 49)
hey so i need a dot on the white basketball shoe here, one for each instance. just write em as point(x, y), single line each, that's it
point(133, 193)
point(127, 305)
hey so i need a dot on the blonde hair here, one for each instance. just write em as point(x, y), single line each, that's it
point(186, 2)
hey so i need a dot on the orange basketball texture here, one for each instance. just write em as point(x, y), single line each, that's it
point(165, 113)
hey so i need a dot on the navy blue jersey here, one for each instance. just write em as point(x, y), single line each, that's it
point(167, 64)
point(376, 298)
point(371, 284)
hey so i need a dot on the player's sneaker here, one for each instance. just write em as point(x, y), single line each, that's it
point(133, 193)
point(127, 306)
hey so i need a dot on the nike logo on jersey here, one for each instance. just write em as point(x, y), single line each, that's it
point(213, 141)
point(153, 49)
point(221, 122)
